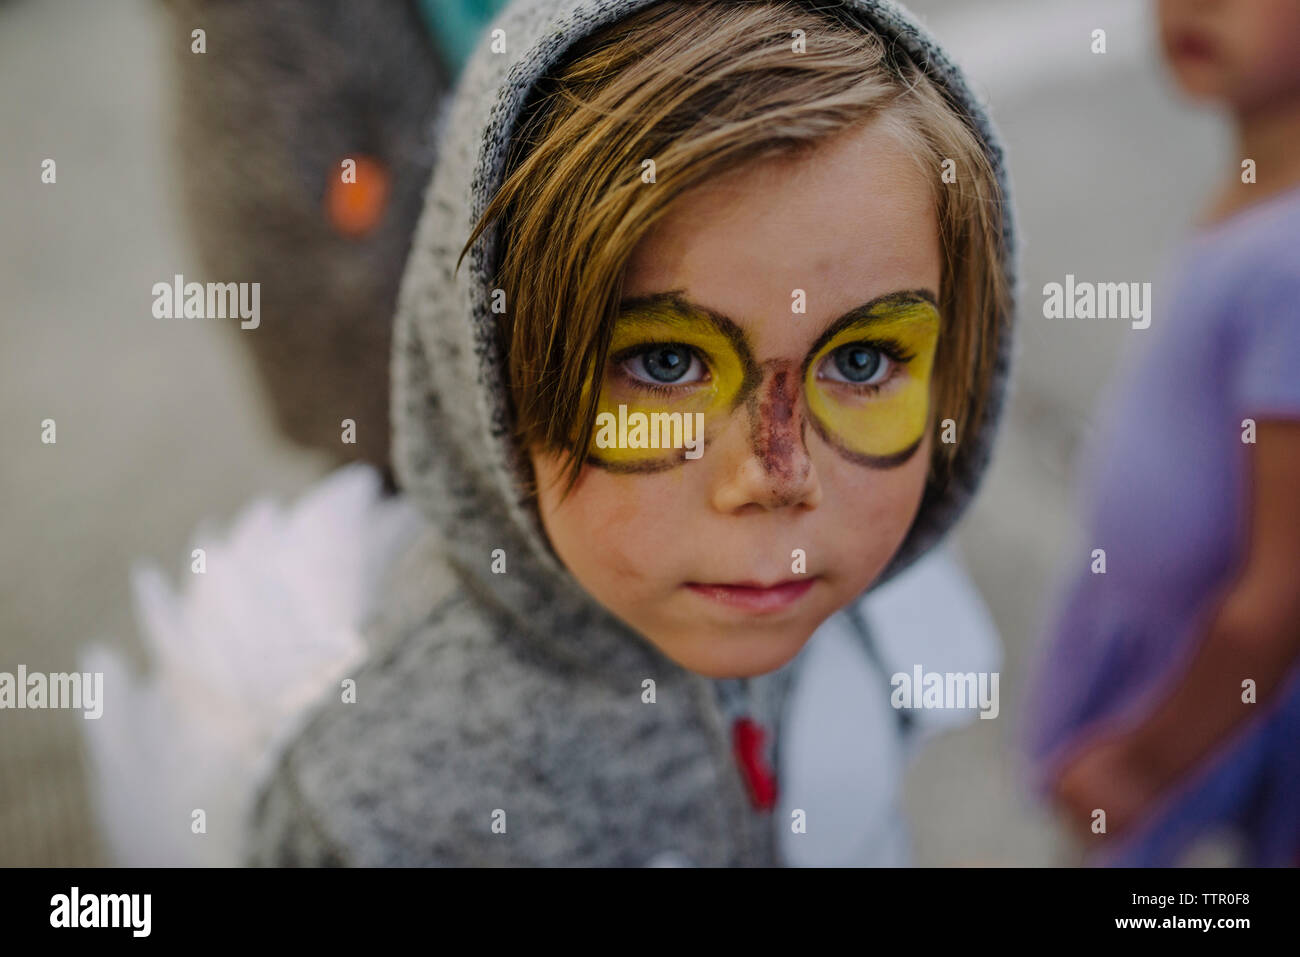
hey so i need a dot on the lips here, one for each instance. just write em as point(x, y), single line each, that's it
point(753, 596)
point(1191, 46)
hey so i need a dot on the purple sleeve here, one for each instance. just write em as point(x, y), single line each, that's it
point(1266, 375)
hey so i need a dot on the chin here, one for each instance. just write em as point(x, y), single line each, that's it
point(738, 651)
point(1200, 83)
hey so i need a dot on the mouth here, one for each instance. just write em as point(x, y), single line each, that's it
point(1191, 46)
point(754, 597)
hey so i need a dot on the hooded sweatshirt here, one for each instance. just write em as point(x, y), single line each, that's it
point(501, 715)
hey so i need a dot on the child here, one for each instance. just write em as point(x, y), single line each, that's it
point(1170, 696)
point(591, 653)
point(652, 186)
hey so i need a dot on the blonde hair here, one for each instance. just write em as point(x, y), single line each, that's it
point(706, 87)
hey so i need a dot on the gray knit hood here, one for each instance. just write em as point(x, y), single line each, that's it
point(453, 451)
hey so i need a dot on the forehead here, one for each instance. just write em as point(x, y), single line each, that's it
point(846, 223)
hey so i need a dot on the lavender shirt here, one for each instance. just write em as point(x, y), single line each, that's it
point(1166, 495)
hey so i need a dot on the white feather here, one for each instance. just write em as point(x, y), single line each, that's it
point(237, 655)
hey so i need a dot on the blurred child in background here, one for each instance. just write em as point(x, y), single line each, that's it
point(1169, 698)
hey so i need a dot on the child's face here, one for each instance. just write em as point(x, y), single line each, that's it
point(1244, 53)
point(816, 424)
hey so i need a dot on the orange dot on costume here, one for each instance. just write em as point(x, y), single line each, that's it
point(355, 209)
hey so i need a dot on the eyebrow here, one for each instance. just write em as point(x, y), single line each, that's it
point(874, 310)
point(675, 300)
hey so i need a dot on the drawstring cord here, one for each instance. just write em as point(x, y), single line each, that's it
point(748, 736)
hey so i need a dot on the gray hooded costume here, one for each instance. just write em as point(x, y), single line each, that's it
point(500, 718)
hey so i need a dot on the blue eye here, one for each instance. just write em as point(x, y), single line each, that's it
point(858, 364)
point(665, 364)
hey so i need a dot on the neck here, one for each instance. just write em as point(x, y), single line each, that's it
point(1269, 135)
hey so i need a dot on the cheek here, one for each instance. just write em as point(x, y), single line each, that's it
point(1263, 51)
point(617, 532)
point(1275, 46)
point(883, 503)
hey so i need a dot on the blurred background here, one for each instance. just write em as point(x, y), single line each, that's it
point(162, 425)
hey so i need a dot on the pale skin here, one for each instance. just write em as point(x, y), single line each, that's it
point(1244, 54)
point(849, 223)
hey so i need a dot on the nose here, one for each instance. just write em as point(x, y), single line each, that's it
point(771, 468)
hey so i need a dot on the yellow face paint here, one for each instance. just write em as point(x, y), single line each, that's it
point(669, 409)
point(880, 423)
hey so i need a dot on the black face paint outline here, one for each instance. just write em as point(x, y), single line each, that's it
point(855, 317)
point(675, 301)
